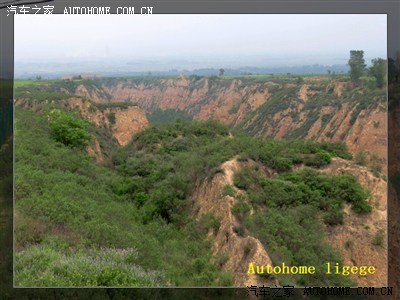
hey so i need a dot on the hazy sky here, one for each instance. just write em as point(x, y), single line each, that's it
point(318, 38)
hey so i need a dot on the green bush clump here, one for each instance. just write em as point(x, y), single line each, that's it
point(361, 158)
point(222, 258)
point(226, 279)
point(228, 190)
point(209, 221)
point(281, 164)
point(321, 158)
point(288, 209)
point(379, 238)
point(240, 209)
point(333, 217)
point(282, 155)
point(246, 179)
point(68, 128)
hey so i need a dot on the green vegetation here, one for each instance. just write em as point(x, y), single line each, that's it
point(91, 208)
point(374, 164)
point(21, 83)
point(357, 64)
point(288, 209)
point(112, 104)
point(280, 100)
point(130, 220)
point(68, 128)
point(320, 159)
point(222, 258)
point(159, 116)
point(228, 191)
point(379, 71)
point(60, 266)
point(360, 158)
point(378, 238)
point(111, 117)
point(41, 95)
point(43, 90)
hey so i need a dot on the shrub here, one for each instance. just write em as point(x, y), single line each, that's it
point(325, 118)
point(374, 165)
point(222, 258)
point(68, 128)
point(320, 159)
point(240, 207)
point(246, 178)
point(369, 82)
point(362, 207)
point(360, 158)
point(282, 164)
point(378, 238)
point(228, 191)
point(225, 279)
point(334, 217)
point(140, 199)
point(111, 117)
point(209, 221)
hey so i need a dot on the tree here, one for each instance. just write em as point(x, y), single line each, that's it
point(378, 70)
point(221, 72)
point(357, 64)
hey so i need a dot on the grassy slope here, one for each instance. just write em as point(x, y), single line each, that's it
point(67, 205)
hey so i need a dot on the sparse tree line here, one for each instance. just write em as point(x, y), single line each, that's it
point(375, 75)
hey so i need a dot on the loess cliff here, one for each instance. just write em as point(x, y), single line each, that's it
point(317, 108)
point(121, 122)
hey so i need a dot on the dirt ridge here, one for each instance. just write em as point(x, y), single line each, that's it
point(241, 250)
point(357, 239)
